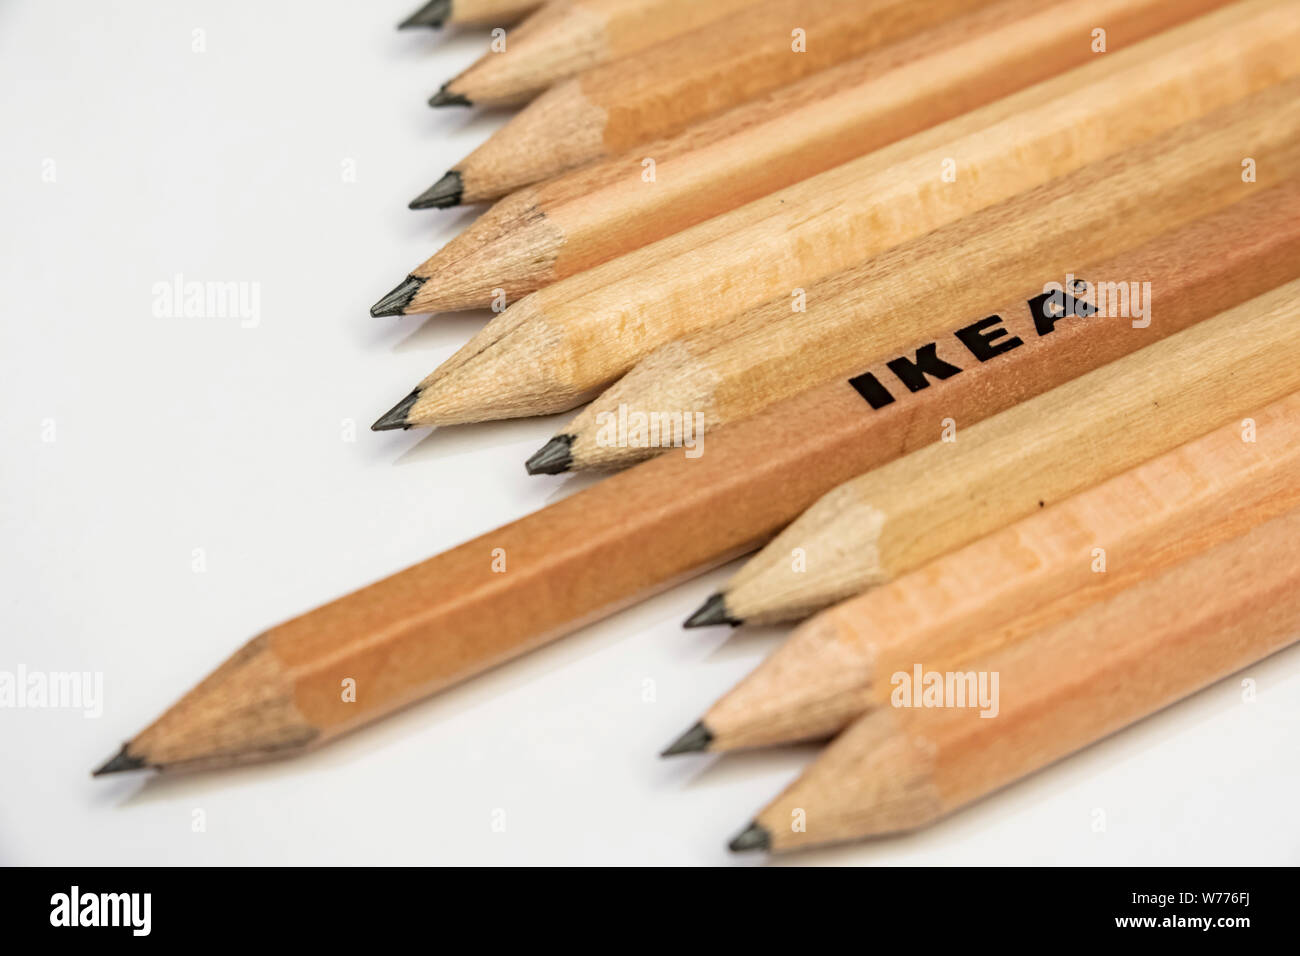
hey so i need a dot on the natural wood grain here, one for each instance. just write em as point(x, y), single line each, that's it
point(1035, 573)
point(566, 37)
point(558, 347)
point(553, 230)
point(920, 289)
point(663, 89)
point(1060, 689)
point(945, 495)
point(490, 12)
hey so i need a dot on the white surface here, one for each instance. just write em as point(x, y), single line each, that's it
point(173, 434)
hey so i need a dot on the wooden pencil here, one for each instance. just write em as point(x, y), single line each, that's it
point(665, 88)
point(902, 767)
point(730, 371)
point(547, 232)
point(454, 615)
point(439, 13)
point(977, 479)
point(496, 597)
point(999, 589)
point(559, 346)
point(566, 37)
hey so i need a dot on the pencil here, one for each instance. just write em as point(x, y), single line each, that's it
point(454, 615)
point(559, 346)
point(1121, 659)
point(566, 37)
point(865, 313)
point(439, 13)
point(494, 598)
point(977, 479)
point(665, 88)
point(548, 232)
point(997, 590)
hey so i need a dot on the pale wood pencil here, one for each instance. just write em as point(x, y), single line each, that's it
point(482, 603)
point(665, 88)
point(729, 371)
point(996, 591)
point(456, 614)
point(566, 37)
point(559, 346)
point(983, 477)
point(438, 13)
point(548, 232)
point(1119, 660)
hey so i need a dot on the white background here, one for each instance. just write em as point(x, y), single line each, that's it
point(176, 434)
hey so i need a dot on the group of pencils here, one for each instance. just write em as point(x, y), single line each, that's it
point(990, 310)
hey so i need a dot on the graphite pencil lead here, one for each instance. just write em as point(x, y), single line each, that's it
point(395, 302)
point(445, 97)
point(433, 14)
point(693, 741)
point(553, 458)
point(120, 762)
point(711, 612)
point(754, 837)
point(395, 417)
point(443, 194)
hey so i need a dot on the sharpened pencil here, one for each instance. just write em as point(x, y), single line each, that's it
point(916, 291)
point(1044, 568)
point(902, 767)
point(547, 232)
point(565, 37)
point(665, 88)
point(561, 345)
point(456, 614)
point(974, 480)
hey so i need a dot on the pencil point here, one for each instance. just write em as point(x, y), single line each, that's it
point(693, 741)
point(445, 97)
point(432, 14)
point(120, 763)
point(395, 417)
point(553, 458)
point(443, 194)
point(395, 302)
point(754, 837)
point(711, 612)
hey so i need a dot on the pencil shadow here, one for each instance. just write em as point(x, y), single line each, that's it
point(467, 41)
point(743, 641)
point(351, 751)
point(572, 484)
point(434, 228)
point(442, 330)
point(739, 766)
point(454, 441)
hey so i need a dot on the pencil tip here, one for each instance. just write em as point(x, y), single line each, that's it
point(693, 741)
point(395, 302)
point(553, 458)
point(754, 837)
point(395, 417)
point(443, 194)
point(711, 612)
point(120, 763)
point(445, 97)
point(432, 14)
